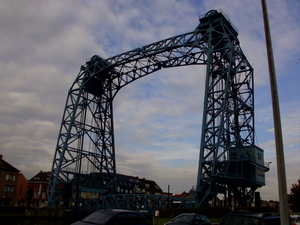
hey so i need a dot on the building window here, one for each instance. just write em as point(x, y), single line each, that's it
point(259, 156)
point(260, 172)
point(9, 188)
point(10, 177)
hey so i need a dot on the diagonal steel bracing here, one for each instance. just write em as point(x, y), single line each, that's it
point(85, 144)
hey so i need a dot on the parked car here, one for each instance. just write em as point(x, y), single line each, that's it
point(297, 221)
point(189, 219)
point(113, 217)
point(246, 218)
point(294, 215)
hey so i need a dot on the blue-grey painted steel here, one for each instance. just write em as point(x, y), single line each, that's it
point(137, 202)
point(84, 159)
point(228, 118)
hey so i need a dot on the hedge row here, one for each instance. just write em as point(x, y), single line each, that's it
point(213, 212)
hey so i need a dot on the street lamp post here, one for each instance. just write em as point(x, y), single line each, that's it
point(283, 203)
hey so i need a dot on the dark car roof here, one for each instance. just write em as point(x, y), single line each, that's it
point(115, 211)
point(104, 215)
point(260, 216)
point(182, 219)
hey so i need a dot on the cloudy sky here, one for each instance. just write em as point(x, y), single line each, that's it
point(157, 118)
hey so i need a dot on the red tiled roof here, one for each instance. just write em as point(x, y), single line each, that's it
point(6, 166)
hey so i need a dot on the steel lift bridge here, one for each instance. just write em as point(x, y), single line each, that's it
point(229, 161)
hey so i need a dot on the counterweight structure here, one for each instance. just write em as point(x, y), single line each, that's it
point(229, 162)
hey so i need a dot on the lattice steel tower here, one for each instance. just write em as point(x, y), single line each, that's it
point(229, 163)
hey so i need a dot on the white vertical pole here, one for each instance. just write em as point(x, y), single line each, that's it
point(283, 203)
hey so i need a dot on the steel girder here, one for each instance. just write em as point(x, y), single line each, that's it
point(228, 115)
point(85, 144)
point(88, 116)
point(138, 202)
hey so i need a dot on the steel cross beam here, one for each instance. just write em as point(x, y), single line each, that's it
point(138, 202)
point(85, 144)
point(228, 115)
point(88, 115)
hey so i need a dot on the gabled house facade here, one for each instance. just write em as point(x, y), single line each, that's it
point(37, 189)
point(21, 192)
point(128, 184)
point(10, 193)
point(150, 187)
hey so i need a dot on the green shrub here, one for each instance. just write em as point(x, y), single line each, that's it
point(212, 212)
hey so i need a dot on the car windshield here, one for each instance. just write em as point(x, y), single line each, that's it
point(98, 217)
point(245, 220)
point(184, 218)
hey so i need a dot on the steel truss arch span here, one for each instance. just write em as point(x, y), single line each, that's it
point(84, 160)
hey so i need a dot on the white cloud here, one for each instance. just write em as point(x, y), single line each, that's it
point(157, 118)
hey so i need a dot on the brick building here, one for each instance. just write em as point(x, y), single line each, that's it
point(16, 190)
point(12, 184)
point(21, 191)
point(150, 187)
point(38, 186)
point(130, 185)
